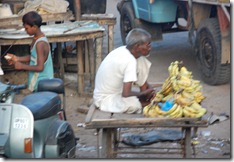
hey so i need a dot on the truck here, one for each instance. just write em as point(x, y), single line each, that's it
point(206, 21)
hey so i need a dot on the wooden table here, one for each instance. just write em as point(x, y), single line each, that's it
point(67, 32)
point(109, 124)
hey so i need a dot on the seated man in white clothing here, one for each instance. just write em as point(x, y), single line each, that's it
point(119, 71)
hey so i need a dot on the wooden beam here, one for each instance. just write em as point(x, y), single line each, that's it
point(77, 10)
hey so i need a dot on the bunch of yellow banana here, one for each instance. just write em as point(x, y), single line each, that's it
point(198, 96)
point(167, 97)
point(183, 100)
point(155, 111)
point(185, 72)
point(151, 111)
point(183, 89)
point(158, 97)
point(174, 83)
point(177, 112)
point(183, 81)
point(166, 87)
point(195, 110)
point(173, 69)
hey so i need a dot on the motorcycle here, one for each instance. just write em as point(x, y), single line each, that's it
point(37, 126)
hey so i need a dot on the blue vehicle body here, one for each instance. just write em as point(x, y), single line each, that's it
point(161, 11)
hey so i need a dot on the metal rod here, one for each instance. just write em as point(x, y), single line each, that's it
point(6, 51)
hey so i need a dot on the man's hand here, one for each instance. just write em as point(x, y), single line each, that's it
point(147, 95)
point(150, 94)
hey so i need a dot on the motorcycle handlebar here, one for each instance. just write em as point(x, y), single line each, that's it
point(19, 87)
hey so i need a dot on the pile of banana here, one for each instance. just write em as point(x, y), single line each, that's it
point(183, 90)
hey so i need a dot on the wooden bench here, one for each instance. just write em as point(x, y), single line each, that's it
point(110, 123)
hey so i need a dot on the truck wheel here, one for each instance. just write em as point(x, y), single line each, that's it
point(127, 20)
point(208, 42)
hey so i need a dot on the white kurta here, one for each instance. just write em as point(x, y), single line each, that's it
point(119, 66)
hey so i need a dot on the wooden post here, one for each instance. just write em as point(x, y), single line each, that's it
point(99, 42)
point(106, 143)
point(80, 67)
point(115, 142)
point(92, 62)
point(87, 61)
point(187, 142)
point(77, 10)
point(110, 38)
point(60, 59)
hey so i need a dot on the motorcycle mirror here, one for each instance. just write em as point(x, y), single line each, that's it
point(1, 71)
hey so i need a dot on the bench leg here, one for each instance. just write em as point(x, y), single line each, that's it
point(98, 145)
point(107, 143)
point(115, 142)
point(187, 143)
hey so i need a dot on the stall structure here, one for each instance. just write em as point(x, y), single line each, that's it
point(77, 31)
point(108, 126)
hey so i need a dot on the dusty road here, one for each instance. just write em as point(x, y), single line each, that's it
point(173, 47)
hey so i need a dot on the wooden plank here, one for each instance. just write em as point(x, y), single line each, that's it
point(101, 115)
point(144, 122)
point(16, 21)
point(90, 113)
point(98, 125)
point(102, 19)
point(125, 116)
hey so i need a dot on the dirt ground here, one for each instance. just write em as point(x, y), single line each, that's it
point(213, 142)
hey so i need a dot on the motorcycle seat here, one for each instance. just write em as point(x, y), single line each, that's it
point(42, 104)
point(53, 85)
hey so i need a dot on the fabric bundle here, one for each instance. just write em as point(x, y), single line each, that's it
point(45, 6)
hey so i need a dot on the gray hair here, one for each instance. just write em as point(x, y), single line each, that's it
point(137, 36)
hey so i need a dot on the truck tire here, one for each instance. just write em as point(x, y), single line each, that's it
point(128, 20)
point(208, 43)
